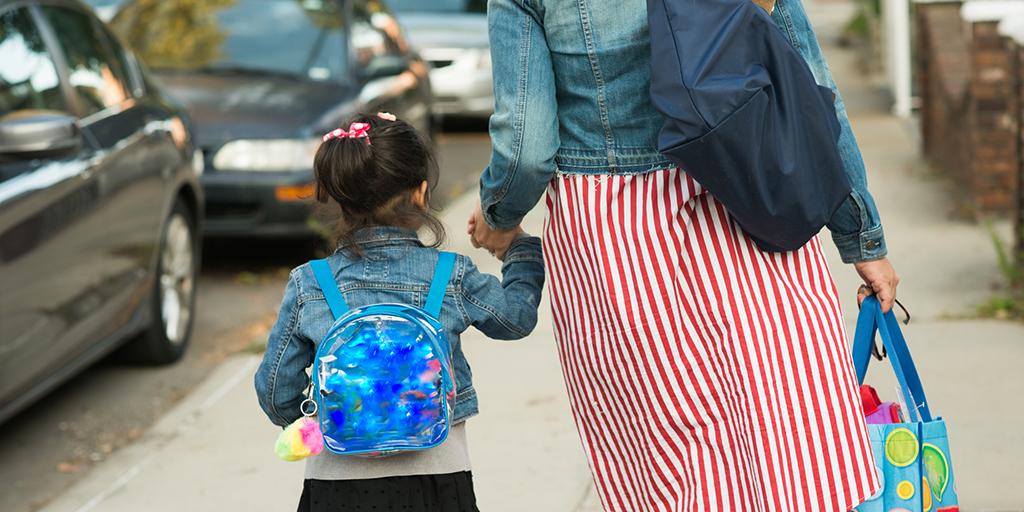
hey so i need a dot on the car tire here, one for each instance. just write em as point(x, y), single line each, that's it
point(173, 300)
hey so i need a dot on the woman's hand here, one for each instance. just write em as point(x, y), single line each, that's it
point(497, 241)
point(880, 280)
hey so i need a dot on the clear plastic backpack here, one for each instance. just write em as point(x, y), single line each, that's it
point(382, 378)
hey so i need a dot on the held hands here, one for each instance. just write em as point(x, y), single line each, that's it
point(497, 241)
point(880, 280)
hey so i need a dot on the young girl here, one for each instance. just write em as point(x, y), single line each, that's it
point(379, 171)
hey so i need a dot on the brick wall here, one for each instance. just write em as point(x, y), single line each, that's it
point(942, 71)
point(970, 104)
point(992, 120)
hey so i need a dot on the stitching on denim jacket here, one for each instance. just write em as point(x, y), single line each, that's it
point(495, 314)
point(289, 331)
point(460, 272)
point(595, 67)
point(466, 393)
point(520, 251)
point(788, 21)
point(518, 122)
point(637, 170)
point(524, 259)
point(862, 209)
point(375, 268)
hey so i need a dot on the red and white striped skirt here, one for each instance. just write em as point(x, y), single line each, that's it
point(703, 373)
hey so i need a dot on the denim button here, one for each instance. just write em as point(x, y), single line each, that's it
point(871, 245)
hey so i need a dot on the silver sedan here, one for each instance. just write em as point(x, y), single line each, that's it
point(451, 35)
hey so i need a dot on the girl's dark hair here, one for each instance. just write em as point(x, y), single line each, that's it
point(373, 179)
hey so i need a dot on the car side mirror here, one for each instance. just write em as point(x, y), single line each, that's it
point(35, 134)
point(385, 66)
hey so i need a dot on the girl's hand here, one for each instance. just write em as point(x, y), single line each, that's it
point(880, 280)
point(496, 241)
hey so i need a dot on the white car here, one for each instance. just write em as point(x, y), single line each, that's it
point(451, 35)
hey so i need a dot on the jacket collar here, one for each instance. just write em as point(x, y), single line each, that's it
point(383, 235)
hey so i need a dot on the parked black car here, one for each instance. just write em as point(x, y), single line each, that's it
point(99, 203)
point(263, 80)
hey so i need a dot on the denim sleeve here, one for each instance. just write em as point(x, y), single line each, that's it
point(856, 227)
point(524, 127)
point(506, 309)
point(281, 378)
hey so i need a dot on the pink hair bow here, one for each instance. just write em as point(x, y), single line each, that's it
point(355, 131)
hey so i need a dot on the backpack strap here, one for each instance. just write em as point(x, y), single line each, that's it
point(442, 274)
point(325, 278)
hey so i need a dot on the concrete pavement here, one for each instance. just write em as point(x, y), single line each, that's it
point(214, 451)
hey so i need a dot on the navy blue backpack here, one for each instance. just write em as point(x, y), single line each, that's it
point(745, 118)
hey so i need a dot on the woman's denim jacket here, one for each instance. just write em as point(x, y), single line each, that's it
point(571, 83)
point(397, 268)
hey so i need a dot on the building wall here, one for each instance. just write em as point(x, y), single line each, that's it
point(993, 114)
point(970, 109)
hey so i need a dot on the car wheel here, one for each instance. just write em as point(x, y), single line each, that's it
point(174, 293)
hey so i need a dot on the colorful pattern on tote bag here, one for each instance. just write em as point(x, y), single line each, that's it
point(912, 458)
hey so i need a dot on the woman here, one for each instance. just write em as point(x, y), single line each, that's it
point(704, 374)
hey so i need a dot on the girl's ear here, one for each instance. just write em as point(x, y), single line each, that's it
point(419, 196)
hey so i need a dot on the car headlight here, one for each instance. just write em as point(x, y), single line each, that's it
point(268, 155)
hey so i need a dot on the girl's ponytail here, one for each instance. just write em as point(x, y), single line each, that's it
point(371, 171)
point(343, 167)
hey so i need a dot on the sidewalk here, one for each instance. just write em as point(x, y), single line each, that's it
point(214, 451)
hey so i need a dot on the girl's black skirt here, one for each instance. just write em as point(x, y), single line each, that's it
point(422, 493)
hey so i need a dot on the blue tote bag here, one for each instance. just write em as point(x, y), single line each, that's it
point(745, 118)
point(912, 458)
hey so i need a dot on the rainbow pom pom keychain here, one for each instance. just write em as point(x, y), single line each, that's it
point(382, 377)
point(300, 440)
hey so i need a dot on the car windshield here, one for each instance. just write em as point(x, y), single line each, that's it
point(297, 38)
point(440, 6)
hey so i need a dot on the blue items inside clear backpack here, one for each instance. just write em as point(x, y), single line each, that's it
point(382, 376)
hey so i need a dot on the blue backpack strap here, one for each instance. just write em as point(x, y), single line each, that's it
point(442, 274)
point(325, 278)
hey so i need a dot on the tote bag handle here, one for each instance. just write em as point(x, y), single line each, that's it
point(872, 320)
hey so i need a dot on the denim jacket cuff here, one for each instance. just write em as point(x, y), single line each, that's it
point(864, 246)
point(524, 248)
point(497, 221)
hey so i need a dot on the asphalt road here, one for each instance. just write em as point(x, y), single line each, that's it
point(54, 443)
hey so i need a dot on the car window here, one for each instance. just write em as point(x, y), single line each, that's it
point(300, 38)
point(28, 77)
point(96, 75)
point(131, 77)
point(376, 34)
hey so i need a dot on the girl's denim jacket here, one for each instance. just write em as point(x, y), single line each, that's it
point(397, 268)
point(571, 83)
